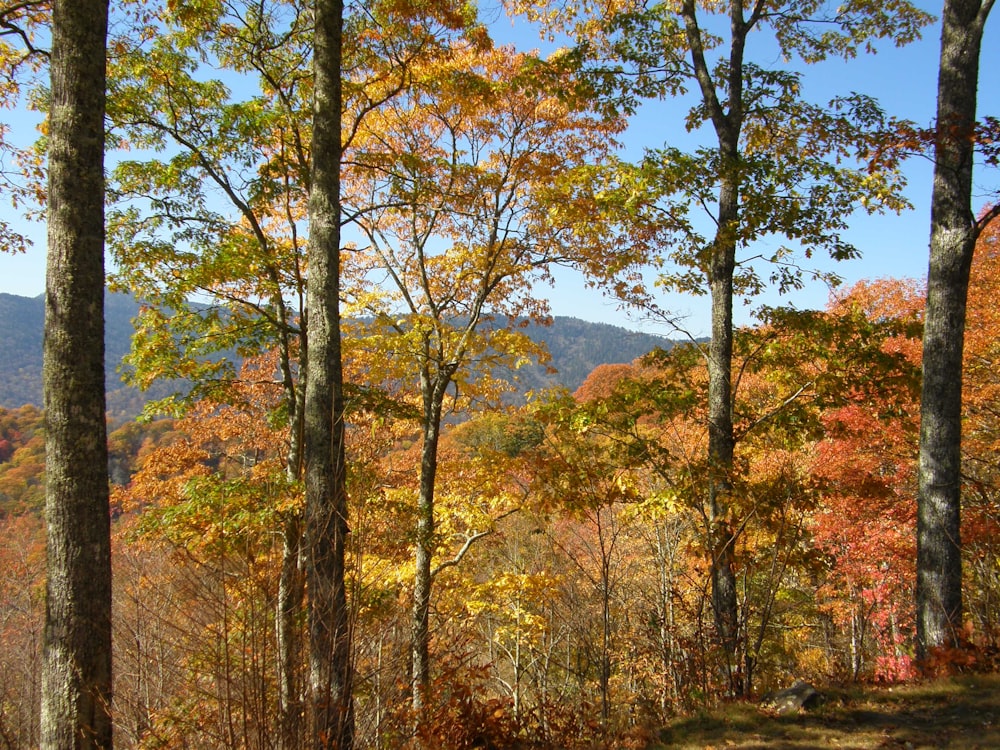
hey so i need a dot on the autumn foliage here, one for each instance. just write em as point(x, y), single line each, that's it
point(570, 560)
point(571, 600)
point(523, 570)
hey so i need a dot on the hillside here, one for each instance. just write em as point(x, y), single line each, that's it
point(21, 352)
point(576, 346)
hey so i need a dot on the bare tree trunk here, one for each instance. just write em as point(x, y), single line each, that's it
point(291, 583)
point(76, 681)
point(721, 447)
point(721, 264)
point(290, 599)
point(326, 529)
point(953, 238)
point(433, 395)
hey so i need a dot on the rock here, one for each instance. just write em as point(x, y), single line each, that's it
point(801, 695)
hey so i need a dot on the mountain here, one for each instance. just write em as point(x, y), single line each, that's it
point(21, 323)
point(577, 347)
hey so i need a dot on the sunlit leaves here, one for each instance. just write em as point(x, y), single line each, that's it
point(453, 185)
point(846, 30)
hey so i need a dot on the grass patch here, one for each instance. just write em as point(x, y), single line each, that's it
point(961, 712)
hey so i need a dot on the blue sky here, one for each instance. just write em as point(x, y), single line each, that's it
point(903, 79)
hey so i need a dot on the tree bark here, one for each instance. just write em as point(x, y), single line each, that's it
point(291, 594)
point(721, 445)
point(720, 268)
point(433, 389)
point(76, 679)
point(326, 529)
point(953, 239)
point(291, 583)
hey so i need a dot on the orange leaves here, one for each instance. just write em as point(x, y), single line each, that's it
point(601, 381)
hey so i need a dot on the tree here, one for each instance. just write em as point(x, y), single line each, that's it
point(465, 170)
point(954, 230)
point(774, 165)
point(176, 240)
point(981, 389)
point(865, 464)
point(76, 688)
point(330, 670)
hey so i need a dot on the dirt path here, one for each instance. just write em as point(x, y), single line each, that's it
point(961, 713)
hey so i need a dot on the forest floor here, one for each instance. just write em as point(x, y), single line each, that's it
point(960, 712)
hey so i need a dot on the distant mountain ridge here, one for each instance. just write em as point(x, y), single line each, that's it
point(576, 346)
point(22, 321)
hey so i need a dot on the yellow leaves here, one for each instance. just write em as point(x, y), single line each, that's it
point(516, 602)
point(626, 485)
point(875, 191)
point(660, 504)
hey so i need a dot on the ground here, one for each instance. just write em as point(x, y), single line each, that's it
point(960, 712)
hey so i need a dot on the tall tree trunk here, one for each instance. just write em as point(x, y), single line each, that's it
point(291, 584)
point(330, 669)
point(953, 239)
point(721, 448)
point(433, 389)
point(721, 264)
point(291, 594)
point(76, 673)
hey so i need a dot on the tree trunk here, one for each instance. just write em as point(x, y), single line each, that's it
point(291, 584)
point(330, 669)
point(433, 395)
point(953, 239)
point(721, 446)
point(721, 264)
point(76, 679)
point(290, 598)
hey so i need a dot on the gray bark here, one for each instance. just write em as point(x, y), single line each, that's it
point(76, 679)
point(291, 583)
point(953, 239)
point(721, 264)
point(433, 388)
point(326, 529)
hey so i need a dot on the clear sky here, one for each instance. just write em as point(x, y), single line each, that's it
point(904, 80)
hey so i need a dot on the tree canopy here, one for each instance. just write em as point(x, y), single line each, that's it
point(351, 526)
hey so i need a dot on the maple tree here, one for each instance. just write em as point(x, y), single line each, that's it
point(865, 463)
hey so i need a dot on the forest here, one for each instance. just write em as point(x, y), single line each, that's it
point(350, 527)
